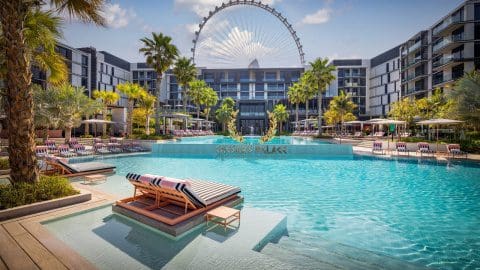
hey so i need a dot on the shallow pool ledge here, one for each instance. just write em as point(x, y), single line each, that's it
point(217, 249)
point(282, 150)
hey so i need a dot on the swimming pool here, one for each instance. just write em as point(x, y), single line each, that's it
point(419, 211)
point(249, 140)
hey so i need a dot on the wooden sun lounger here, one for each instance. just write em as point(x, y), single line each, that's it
point(162, 198)
point(61, 169)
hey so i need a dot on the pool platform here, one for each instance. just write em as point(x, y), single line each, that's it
point(174, 230)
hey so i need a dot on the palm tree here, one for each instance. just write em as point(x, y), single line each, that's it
point(224, 112)
point(196, 92)
point(133, 92)
point(343, 105)
point(185, 72)
point(108, 98)
point(281, 114)
point(210, 99)
point(160, 54)
point(466, 96)
point(147, 103)
point(322, 76)
point(18, 91)
point(46, 111)
point(308, 91)
point(73, 104)
point(295, 97)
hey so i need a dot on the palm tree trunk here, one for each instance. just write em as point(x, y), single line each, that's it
point(87, 125)
point(68, 133)
point(296, 116)
point(158, 93)
point(104, 127)
point(306, 115)
point(198, 111)
point(19, 96)
point(207, 113)
point(319, 100)
point(223, 126)
point(147, 125)
point(129, 118)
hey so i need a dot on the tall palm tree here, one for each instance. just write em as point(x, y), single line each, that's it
point(281, 114)
point(342, 105)
point(147, 104)
point(18, 93)
point(133, 92)
point(295, 97)
point(108, 98)
point(308, 91)
point(185, 72)
point(224, 112)
point(196, 92)
point(160, 54)
point(322, 77)
point(210, 99)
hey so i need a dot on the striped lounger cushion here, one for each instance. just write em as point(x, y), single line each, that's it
point(200, 193)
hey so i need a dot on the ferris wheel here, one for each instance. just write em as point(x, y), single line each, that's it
point(246, 33)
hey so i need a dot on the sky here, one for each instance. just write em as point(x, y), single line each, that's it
point(327, 28)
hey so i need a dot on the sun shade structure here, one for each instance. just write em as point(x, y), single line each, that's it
point(439, 122)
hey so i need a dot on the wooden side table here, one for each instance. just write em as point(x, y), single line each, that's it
point(94, 178)
point(223, 216)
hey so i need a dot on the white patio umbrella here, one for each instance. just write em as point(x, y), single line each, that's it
point(97, 121)
point(390, 122)
point(438, 122)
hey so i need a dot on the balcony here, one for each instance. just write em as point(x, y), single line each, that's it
point(227, 80)
point(448, 24)
point(413, 62)
point(415, 46)
point(449, 59)
point(209, 80)
point(413, 76)
point(448, 43)
point(273, 80)
point(446, 78)
point(351, 84)
point(246, 80)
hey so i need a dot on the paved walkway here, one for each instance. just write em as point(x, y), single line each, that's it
point(27, 244)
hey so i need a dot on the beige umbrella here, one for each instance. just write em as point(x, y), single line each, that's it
point(437, 122)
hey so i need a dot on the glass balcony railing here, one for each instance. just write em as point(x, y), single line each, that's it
point(448, 40)
point(227, 80)
point(415, 46)
point(246, 80)
point(351, 84)
point(446, 23)
point(413, 61)
point(447, 58)
point(412, 76)
point(445, 78)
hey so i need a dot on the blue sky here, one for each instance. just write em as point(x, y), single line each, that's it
point(326, 28)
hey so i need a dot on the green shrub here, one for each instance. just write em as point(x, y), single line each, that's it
point(86, 136)
point(154, 137)
point(4, 164)
point(47, 188)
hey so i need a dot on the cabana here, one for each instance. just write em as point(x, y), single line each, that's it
point(171, 117)
point(439, 122)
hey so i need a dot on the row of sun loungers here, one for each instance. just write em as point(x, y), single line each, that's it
point(190, 133)
point(423, 148)
point(305, 133)
point(73, 148)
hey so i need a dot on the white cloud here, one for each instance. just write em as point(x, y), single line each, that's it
point(191, 28)
point(202, 7)
point(116, 16)
point(319, 17)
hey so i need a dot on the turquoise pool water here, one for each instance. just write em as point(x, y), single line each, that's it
point(419, 211)
point(248, 140)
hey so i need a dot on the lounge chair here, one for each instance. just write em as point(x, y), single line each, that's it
point(424, 148)
point(81, 150)
point(178, 199)
point(52, 147)
point(401, 147)
point(378, 147)
point(379, 134)
point(72, 142)
point(41, 151)
point(454, 150)
point(100, 148)
point(64, 151)
point(56, 165)
point(357, 134)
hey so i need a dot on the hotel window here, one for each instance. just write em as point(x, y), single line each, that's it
point(84, 60)
point(270, 76)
